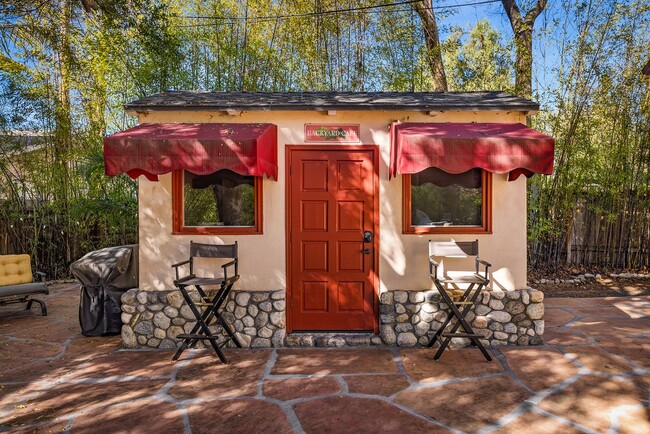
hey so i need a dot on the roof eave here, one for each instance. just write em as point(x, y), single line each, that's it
point(134, 109)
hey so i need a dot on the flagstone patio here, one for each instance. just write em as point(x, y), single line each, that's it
point(593, 375)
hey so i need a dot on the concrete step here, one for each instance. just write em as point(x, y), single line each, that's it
point(332, 339)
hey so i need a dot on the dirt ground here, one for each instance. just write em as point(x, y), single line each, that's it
point(603, 287)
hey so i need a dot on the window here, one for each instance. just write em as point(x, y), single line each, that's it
point(223, 202)
point(439, 202)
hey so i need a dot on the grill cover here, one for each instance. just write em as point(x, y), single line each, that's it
point(105, 275)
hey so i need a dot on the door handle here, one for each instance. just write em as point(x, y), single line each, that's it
point(366, 251)
point(367, 237)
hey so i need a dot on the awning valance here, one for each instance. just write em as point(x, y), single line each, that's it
point(156, 149)
point(458, 147)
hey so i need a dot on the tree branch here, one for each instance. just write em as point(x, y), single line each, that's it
point(424, 8)
point(534, 12)
point(513, 12)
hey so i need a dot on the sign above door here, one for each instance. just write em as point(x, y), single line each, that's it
point(332, 133)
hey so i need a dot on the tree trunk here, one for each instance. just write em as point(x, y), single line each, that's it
point(63, 123)
point(424, 8)
point(523, 31)
point(62, 116)
point(524, 62)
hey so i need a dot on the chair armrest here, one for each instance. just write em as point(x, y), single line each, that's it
point(225, 268)
point(41, 276)
point(178, 264)
point(433, 267)
point(486, 264)
point(228, 264)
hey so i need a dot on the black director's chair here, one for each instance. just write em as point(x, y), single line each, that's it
point(448, 285)
point(211, 301)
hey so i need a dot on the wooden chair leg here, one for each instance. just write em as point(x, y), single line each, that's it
point(201, 329)
point(460, 321)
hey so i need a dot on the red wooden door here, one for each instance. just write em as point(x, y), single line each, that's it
point(332, 200)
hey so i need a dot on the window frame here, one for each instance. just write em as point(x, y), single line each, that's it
point(486, 211)
point(178, 201)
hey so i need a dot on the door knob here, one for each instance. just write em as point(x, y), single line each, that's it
point(367, 237)
point(366, 251)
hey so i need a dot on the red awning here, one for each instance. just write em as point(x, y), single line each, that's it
point(458, 147)
point(156, 149)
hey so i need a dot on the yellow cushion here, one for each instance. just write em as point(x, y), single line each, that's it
point(15, 269)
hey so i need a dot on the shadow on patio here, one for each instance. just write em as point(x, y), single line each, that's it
point(593, 374)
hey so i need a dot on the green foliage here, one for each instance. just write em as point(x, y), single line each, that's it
point(65, 74)
point(596, 207)
point(199, 207)
point(454, 204)
point(483, 62)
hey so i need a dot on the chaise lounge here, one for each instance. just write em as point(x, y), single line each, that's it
point(17, 284)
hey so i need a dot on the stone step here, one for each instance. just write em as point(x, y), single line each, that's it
point(333, 339)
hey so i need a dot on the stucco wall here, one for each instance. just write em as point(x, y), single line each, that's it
point(403, 258)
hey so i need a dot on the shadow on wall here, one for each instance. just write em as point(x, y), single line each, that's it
point(155, 239)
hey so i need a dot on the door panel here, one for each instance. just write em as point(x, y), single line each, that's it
point(350, 216)
point(314, 296)
point(332, 199)
point(314, 216)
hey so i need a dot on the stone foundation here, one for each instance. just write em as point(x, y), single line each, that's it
point(154, 319)
point(407, 318)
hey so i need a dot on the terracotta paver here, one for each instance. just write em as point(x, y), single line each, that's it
point(149, 415)
point(53, 333)
point(48, 427)
point(611, 301)
point(538, 423)
point(349, 415)
point(53, 379)
point(466, 405)
point(591, 400)
point(565, 302)
point(565, 336)
point(637, 350)
point(33, 371)
point(634, 307)
point(598, 360)
point(330, 361)
point(465, 362)
point(12, 364)
point(205, 377)
point(29, 348)
point(19, 321)
point(142, 364)
point(557, 317)
point(12, 395)
point(642, 381)
point(634, 421)
point(238, 416)
point(600, 311)
point(66, 399)
point(539, 368)
point(382, 385)
point(88, 347)
point(612, 327)
point(294, 388)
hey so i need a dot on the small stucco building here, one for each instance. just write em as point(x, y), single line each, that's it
point(332, 198)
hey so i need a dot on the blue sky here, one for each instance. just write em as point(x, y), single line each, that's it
point(545, 56)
